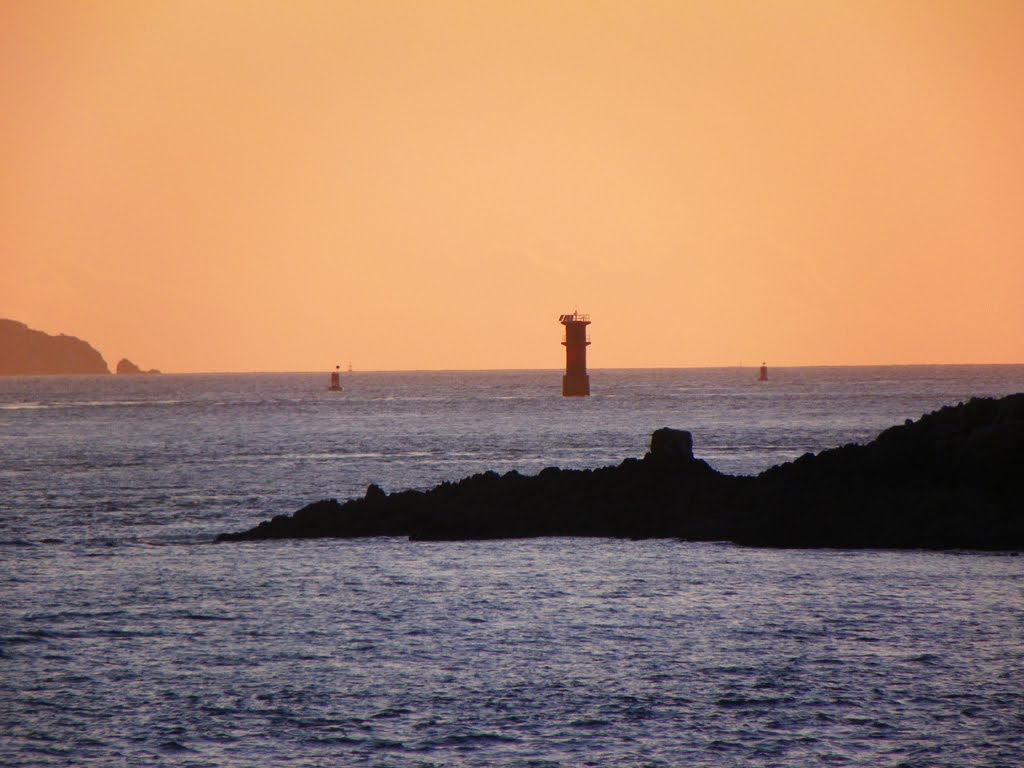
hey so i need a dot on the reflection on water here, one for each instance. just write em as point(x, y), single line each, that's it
point(554, 652)
point(127, 639)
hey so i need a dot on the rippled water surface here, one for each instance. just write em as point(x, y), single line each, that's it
point(126, 638)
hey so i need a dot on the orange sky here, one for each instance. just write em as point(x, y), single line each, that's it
point(237, 186)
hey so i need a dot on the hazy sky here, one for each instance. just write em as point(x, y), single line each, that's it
point(235, 186)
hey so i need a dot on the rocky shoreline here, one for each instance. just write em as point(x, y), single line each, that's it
point(953, 479)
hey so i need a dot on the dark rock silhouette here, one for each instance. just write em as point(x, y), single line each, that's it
point(127, 367)
point(954, 479)
point(27, 352)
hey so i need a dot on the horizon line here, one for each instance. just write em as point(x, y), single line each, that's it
point(529, 370)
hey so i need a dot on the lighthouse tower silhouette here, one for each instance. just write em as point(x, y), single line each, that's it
point(576, 382)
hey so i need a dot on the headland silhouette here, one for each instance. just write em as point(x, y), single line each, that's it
point(27, 352)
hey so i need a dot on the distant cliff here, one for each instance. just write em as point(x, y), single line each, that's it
point(26, 352)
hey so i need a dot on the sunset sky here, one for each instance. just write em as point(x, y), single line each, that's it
point(261, 186)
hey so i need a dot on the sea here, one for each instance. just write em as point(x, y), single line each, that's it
point(129, 638)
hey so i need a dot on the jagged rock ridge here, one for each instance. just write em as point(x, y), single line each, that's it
point(952, 479)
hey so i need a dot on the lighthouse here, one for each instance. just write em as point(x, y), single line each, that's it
point(576, 382)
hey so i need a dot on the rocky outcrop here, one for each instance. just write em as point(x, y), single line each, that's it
point(26, 352)
point(952, 479)
point(127, 367)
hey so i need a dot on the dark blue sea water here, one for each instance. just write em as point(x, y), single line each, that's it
point(127, 638)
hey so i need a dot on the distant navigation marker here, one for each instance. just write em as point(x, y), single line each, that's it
point(763, 375)
point(576, 382)
point(336, 379)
